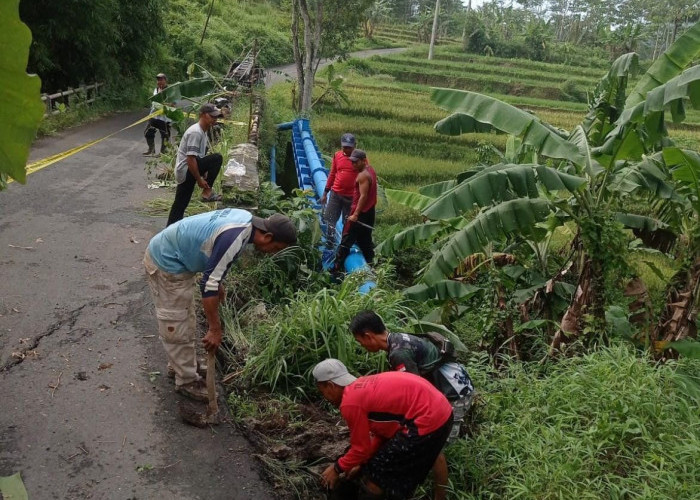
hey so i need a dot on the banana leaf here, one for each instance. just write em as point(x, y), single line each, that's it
point(498, 183)
point(418, 234)
point(21, 108)
point(649, 175)
point(435, 190)
point(442, 290)
point(609, 97)
point(685, 169)
point(672, 62)
point(643, 222)
point(514, 216)
point(409, 199)
point(472, 111)
point(624, 142)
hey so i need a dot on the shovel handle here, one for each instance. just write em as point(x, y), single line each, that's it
point(211, 382)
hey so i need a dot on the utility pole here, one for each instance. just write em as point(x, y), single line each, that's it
point(433, 36)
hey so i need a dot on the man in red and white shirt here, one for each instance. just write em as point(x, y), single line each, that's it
point(337, 196)
point(398, 425)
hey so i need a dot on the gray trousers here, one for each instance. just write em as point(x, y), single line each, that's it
point(336, 207)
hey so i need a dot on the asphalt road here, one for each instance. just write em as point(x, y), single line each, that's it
point(85, 408)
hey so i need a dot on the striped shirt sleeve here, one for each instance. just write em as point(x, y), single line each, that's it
point(227, 246)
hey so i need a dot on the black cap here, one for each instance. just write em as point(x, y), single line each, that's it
point(357, 154)
point(347, 141)
point(210, 109)
point(281, 227)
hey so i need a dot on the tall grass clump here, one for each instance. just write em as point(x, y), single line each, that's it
point(314, 326)
point(605, 425)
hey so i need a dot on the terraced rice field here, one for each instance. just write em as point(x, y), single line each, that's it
point(391, 113)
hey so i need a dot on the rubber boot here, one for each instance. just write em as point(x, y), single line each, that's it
point(163, 147)
point(151, 146)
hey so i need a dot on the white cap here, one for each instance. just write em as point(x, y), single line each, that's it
point(332, 370)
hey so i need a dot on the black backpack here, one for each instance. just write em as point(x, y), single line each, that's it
point(445, 347)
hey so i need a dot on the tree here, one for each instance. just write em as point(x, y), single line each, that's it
point(321, 29)
point(590, 172)
point(375, 14)
point(86, 40)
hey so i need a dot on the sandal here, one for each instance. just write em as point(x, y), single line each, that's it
point(212, 197)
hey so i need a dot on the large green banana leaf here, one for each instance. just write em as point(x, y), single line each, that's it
point(442, 290)
point(626, 143)
point(435, 190)
point(683, 51)
point(634, 221)
point(514, 216)
point(609, 98)
point(498, 183)
point(472, 110)
point(648, 175)
point(21, 108)
point(685, 169)
point(409, 199)
point(418, 234)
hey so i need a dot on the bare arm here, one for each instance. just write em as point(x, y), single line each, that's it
point(194, 170)
point(211, 310)
point(364, 182)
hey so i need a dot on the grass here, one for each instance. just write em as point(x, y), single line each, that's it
point(605, 425)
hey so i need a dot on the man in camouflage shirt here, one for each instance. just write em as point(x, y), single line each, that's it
point(412, 354)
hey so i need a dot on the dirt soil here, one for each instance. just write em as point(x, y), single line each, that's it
point(294, 441)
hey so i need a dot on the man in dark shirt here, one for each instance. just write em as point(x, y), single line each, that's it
point(412, 354)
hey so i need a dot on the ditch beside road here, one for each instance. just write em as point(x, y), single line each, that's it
point(87, 411)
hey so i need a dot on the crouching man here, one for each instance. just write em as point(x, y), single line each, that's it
point(398, 425)
point(207, 243)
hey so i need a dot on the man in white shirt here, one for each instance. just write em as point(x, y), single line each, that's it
point(193, 167)
point(158, 123)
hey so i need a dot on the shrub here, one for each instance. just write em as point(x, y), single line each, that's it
point(572, 91)
point(606, 425)
point(314, 326)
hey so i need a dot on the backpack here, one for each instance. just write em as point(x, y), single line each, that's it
point(444, 346)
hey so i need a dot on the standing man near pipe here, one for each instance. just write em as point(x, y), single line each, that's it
point(207, 243)
point(160, 123)
point(360, 222)
point(337, 197)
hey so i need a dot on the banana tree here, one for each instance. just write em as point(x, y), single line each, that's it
point(588, 174)
point(678, 320)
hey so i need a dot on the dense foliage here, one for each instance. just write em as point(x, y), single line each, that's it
point(608, 424)
point(82, 41)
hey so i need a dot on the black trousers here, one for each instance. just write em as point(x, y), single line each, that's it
point(160, 125)
point(357, 233)
point(209, 168)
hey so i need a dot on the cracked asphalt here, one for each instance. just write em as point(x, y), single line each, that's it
point(86, 410)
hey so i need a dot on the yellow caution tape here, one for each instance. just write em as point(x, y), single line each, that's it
point(50, 160)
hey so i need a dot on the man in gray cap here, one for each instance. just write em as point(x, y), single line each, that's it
point(398, 425)
point(194, 166)
point(207, 243)
point(158, 123)
point(337, 197)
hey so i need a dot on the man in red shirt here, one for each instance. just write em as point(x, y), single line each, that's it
point(398, 425)
point(360, 222)
point(337, 197)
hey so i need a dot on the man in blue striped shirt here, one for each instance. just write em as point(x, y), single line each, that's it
point(207, 243)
